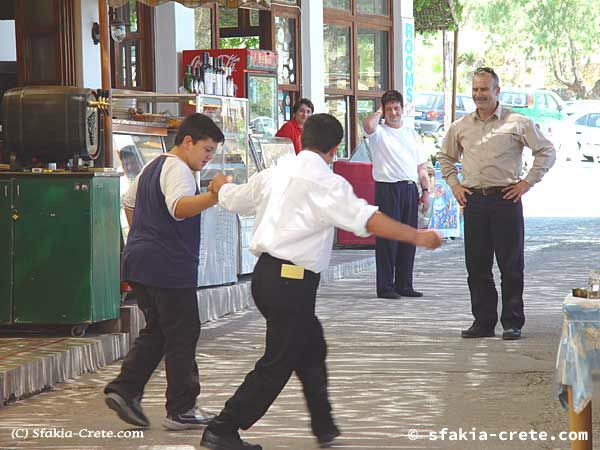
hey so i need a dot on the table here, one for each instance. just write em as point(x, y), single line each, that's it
point(578, 356)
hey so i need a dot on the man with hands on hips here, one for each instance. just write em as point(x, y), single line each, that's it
point(490, 142)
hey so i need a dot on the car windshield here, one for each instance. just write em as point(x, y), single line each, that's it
point(425, 100)
point(513, 98)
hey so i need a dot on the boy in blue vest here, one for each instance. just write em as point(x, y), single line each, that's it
point(160, 261)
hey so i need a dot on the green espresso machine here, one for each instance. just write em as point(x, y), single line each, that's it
point(59, 221)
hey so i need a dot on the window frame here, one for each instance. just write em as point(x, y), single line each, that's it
point(356, 20)
point(145, 36)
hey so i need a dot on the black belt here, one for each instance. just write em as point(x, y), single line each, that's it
point(494, 190)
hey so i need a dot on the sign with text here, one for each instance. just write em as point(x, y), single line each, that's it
point(408, 69)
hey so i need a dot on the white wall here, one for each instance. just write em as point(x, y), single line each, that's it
point(174, 32)
point(313, 55)
point(8, 44)
point(401, 8)
point(88, 55)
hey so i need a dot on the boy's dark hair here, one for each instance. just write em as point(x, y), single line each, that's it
point(321, 132)
point(392, 96)
point(303, 101)
point(199, 127)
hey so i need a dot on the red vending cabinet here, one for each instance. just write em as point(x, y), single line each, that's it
point(254, 75)
point(360, 176)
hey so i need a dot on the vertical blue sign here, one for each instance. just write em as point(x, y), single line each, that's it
point(408, 69)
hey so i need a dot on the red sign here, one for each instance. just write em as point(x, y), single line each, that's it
point(240, 61)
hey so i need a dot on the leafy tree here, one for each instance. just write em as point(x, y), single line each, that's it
point(562, 33)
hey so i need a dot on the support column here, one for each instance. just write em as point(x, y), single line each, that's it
point(404, 65)
point(313, 55)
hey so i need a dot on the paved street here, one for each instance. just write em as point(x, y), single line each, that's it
point(394, 365)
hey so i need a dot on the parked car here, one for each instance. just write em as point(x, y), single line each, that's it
point(541, 105)
point(581, 134)
point(429, 107)
point(577, 106)
point(263, 125)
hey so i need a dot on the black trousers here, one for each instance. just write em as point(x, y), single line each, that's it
point(395, 260)
point(294, 343)
point(172, 330)
point(494, 226)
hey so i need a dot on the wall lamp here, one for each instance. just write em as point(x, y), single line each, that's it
point(118, 29)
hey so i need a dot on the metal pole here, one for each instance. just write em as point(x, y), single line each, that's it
point(106, 81)
point(454, 70)
point(580, 423)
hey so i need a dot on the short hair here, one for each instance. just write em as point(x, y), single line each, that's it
point(321, 132)
point(303, 101)
point(392, 96)
point(488, 70)
point(199, 127)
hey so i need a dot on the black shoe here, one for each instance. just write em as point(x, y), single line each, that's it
point(390, 295)
point(512, 334)
point(412, 293)
point(194, 418)
point(326, 439)
point(477, 332)
point(129, 411)
point(225, 442)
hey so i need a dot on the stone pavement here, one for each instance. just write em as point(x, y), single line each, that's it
point(395, 365)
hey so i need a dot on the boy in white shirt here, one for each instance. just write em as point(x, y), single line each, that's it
point(297, 205)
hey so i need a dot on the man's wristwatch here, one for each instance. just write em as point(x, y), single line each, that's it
point(425, 189)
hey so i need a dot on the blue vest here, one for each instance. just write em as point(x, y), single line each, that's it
point(160, 251)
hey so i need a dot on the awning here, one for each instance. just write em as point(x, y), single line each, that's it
point(435, 15)
point(249, 4)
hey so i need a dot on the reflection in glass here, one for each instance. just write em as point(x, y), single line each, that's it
point(336, 41)
point(364, 108)
point(285, 38)
point(338, 107)
point(337, 4)
point(228, 17)
point(133, 16)
point(378, 7)
point(262, 93)
point(372, 60)
point(203, 29)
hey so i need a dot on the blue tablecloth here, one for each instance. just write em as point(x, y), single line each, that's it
point(579, 350)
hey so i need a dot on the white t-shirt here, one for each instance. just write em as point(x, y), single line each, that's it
point(396, 154)
point(176, 180)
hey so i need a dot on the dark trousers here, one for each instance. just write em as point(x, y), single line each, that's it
point(395, 260)
point(294, 343)
point(172, 330)
point(495, 226)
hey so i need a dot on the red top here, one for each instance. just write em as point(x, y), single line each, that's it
point(292, 130)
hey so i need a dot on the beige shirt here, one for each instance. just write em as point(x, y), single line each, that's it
point(492, 150)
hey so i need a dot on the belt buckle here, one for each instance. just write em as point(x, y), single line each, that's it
point(484, 191)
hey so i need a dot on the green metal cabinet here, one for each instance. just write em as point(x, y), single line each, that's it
point(59, 244)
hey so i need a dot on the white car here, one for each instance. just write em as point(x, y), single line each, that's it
point(580, 135)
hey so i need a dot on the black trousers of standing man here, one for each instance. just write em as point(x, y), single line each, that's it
point(172, 330)
point(495, 226)
point(395, 260)
point(294, 343)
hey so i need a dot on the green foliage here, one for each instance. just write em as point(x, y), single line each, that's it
point(561, 33)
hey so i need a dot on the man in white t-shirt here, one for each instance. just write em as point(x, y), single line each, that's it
point(399, 163)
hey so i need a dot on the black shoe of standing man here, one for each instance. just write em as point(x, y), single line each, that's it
point(225, 441)
point(411, 293)
point(477, 331)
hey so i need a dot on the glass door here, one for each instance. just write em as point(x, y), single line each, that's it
point(262, 94)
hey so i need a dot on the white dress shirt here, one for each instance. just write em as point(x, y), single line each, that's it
point(297, 205)
point(396, 154)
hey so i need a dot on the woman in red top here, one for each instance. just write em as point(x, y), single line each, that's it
point(301, 110)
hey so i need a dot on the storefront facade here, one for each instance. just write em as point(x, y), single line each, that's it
point(342, 54)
